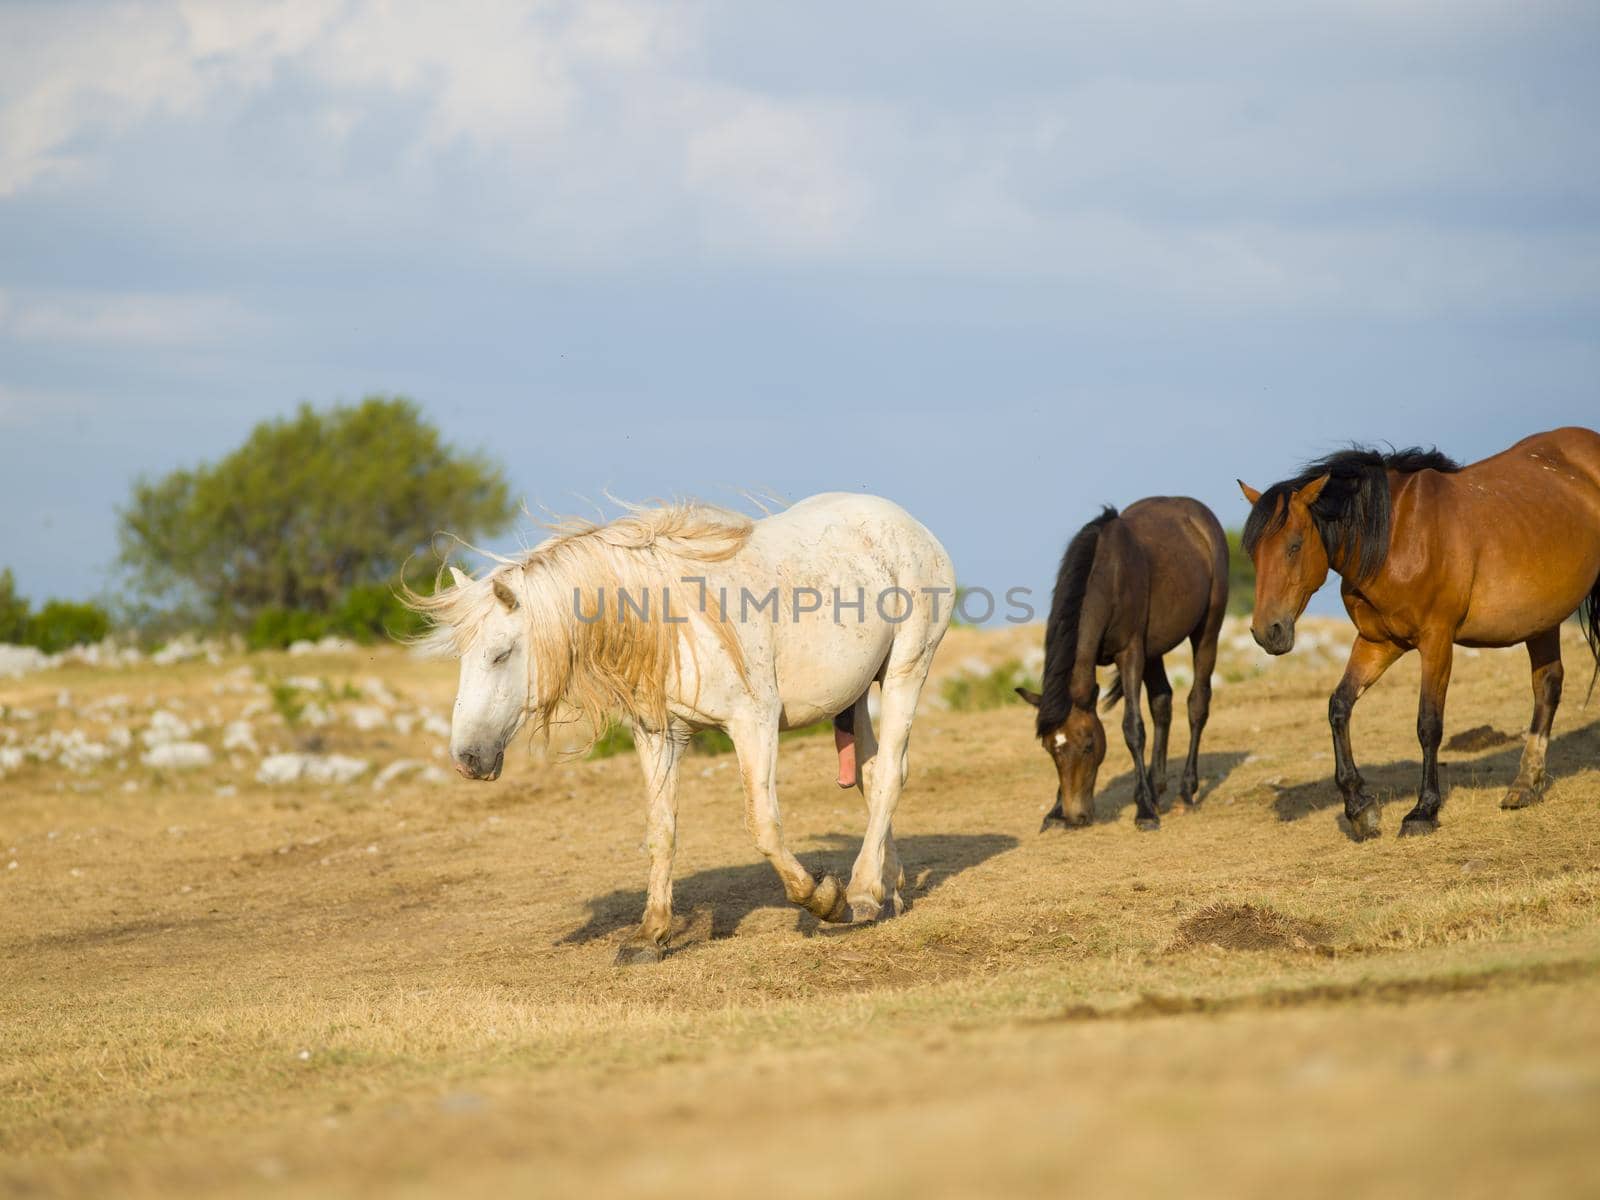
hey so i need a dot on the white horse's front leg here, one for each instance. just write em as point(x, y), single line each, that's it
point(659, 752)
point(756, 741)
point(875, 881)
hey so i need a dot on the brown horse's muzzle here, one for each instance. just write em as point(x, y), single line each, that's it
point(1276, 638)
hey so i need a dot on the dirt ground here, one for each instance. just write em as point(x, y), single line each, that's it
point(214, 986)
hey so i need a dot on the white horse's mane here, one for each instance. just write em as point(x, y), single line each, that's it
point(610, 664)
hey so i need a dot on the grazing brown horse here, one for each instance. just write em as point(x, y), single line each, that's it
point(1435, 555)
point(1130, 588)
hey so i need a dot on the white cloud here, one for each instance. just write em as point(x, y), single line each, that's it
point(772, 174)
point(1311, 169)
point(146, 319)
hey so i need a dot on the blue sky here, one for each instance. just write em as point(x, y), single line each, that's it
point(999, 262)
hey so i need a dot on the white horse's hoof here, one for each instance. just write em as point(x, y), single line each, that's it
point(866, 911)
point(827, 903)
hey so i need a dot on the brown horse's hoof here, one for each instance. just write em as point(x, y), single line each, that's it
point(636, 954)
point(1147, 824)
point(1522, 797)
point(1056, 819)
point(1418, 826)
point(1364, 825)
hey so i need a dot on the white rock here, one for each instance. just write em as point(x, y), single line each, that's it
point(310, 768)
point(165, 727)
point(78, 753)
point(182, 648)
point(367, 717)
point(328, 645)
point(425, 772)
point(378, 692)
point(11, 757)
point(16, 661)
point(433, 723)
point(179, 756)
point(238, 735)
point(974, 666)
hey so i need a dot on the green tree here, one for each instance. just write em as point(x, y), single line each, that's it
point(1241, 576)
point(308, 508)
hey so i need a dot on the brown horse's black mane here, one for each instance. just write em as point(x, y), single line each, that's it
point(1352, 513)
point(1061, 634)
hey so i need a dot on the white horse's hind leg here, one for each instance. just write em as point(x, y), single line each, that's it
point(894, 877)
point(658, 759)
point(871, 884)
point(757, 745)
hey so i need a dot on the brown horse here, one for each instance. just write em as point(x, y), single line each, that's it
point(1130, 588)
point(1434, 555)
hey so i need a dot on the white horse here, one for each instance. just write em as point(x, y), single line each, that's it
point(690, 617)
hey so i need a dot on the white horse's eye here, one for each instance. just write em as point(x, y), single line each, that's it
point(501, 657)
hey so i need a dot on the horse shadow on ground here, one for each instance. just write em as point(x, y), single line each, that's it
point(1114, 797)
point(1397, 781)
point(730, 894)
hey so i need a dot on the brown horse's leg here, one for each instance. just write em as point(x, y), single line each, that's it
point(1437, 656)
point(1155, 680)
point(1205, 661)
point(1544, 652)
point(1368, 661)
point(1130, 664)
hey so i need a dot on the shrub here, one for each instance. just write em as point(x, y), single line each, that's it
point(13, 611)
point(63, 623)
point(372, 612)
point(289, 702)
point(618, 739)
point(974, 693)
point(275, 628)
point(1241, 577)
point(57, 626)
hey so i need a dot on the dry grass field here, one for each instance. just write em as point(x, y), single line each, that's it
point(223, 987)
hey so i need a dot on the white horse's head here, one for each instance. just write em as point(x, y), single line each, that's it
point(496, 682)
point(536, 638)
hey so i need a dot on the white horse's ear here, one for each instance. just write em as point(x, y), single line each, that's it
point(505, 595)
point(461, 577)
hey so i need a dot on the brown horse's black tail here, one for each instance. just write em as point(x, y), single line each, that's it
point(1589, 621)
point(1113, 693)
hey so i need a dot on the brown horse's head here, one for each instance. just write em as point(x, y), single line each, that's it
point(1077, 747)
point(1291, 564)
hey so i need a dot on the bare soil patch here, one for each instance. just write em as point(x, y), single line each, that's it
point(1250, 927)
point(1479, 737)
